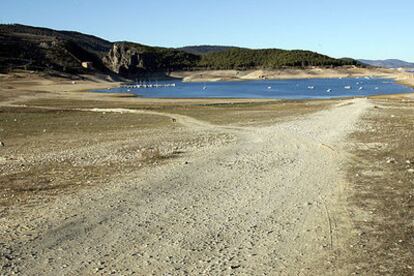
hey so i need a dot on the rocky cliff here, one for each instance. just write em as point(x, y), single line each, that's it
point(129, 60)
point(32, 48)
point(132, 59)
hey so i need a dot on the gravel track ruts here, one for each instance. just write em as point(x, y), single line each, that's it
point(262, 204)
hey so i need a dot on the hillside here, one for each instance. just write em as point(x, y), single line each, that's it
point(46, 49)
point(131, 59)
point(388, 63)
point(33, 48)
point(269, 59)
point(205, 49)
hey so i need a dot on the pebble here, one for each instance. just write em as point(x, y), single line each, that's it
point(390, 160)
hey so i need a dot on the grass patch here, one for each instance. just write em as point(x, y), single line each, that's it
point(46, 180)
point(382, 191)
point(223, 112)
point(26, 123)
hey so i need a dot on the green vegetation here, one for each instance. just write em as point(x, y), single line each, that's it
point(158, 58)
point(269, 59)
point(205, 49)
point(32, 48)
point(227, 58)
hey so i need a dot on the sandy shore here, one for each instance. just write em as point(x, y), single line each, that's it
point(405, 78)
point(98, 183)
point(226, 75)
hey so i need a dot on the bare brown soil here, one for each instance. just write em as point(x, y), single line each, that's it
point(93, 183)
point(381, 194)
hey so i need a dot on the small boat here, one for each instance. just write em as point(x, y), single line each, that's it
point(311, 87)
point(361, 88)
point(269, 87)
point(348, 87)
point(376, 88)
point(204, 87)
point(329, 90)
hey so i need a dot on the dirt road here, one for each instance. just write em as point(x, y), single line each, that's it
point(262, 204)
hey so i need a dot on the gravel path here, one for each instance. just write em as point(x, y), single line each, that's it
point(259, 205)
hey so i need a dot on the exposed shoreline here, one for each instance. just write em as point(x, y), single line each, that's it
point(269, 175)
point(400, 77)
point(231, 75)
point(61, 87)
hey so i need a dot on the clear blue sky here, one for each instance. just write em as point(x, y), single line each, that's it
point(373, 29)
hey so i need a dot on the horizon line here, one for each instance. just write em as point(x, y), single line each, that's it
point(197, 45)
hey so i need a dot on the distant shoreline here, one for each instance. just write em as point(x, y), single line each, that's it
point(233, 75)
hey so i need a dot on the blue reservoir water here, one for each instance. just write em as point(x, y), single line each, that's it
point(280, 89)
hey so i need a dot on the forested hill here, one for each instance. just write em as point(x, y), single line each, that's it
point(241, 58)
point(33, 48)
point(205, 49)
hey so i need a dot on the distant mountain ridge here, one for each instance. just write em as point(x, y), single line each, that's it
point(43, 49)
point(388, 63)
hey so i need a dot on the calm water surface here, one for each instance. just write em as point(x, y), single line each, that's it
point(281, 89)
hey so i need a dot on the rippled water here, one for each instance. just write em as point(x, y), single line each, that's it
point(283, 89)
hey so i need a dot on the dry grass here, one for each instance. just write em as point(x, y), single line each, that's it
point(382, 191)
point(224, 112)
point(27, 123)
point(43, 181)
point(77, 139)
point(253, 114)
point(31, 134)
